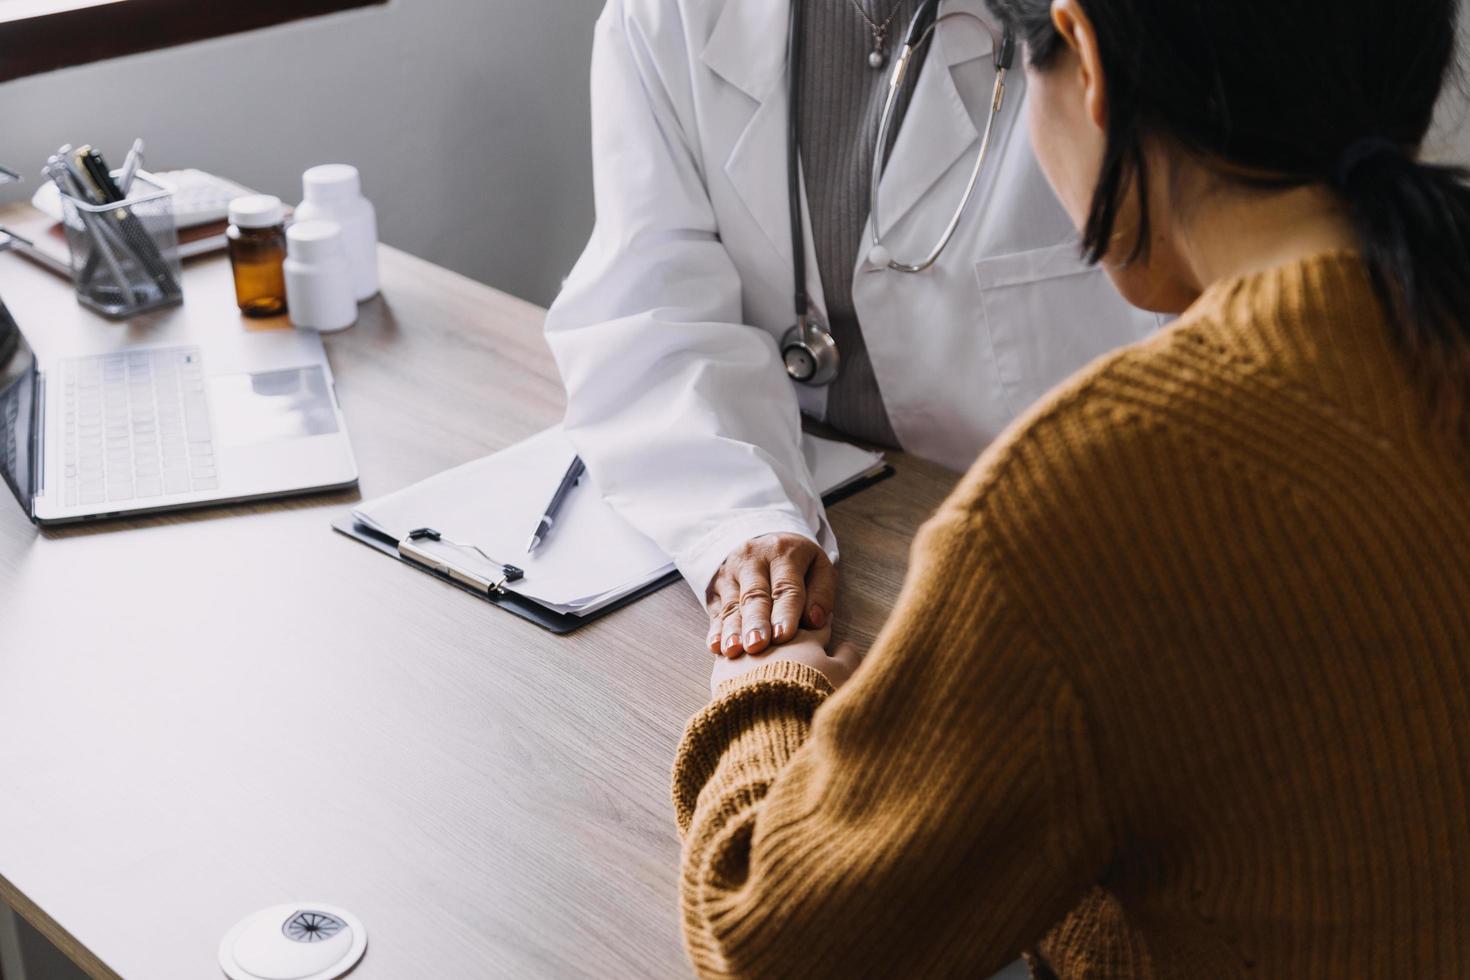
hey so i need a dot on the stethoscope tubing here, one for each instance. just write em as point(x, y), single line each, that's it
point(793, 161)
point(919, 32)
point(809, 350)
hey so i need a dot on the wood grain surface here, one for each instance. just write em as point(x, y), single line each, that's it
point(209, 713)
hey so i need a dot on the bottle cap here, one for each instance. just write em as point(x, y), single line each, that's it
point(256, 211)
point(331, 182)
point(315, 241)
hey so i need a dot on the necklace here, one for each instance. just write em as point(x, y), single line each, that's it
point(878, 57)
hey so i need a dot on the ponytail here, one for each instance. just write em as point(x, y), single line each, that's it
point(1413, 225)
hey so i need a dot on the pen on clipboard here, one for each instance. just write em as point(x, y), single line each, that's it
point(563, 489)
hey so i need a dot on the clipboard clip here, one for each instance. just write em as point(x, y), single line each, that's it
point(408, 548)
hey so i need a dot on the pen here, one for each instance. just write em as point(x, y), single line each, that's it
point(130, 166)
point(90, 192)
point(7, 174)
point(543, 528)
point(91, 161)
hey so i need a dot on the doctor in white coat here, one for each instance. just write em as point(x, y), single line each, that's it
point(668, 331)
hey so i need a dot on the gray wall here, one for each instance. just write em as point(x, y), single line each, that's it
point(468, 119)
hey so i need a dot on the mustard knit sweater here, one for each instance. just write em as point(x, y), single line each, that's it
point(1178, 687)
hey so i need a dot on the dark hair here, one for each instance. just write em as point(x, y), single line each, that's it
point(1285, 93)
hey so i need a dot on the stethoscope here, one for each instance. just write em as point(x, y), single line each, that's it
point(808, 349)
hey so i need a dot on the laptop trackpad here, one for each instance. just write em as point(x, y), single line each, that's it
point(270, 406)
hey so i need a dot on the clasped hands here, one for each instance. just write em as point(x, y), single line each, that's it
point(773, 600)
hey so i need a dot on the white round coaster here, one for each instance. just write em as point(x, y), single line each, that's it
point(303, 941)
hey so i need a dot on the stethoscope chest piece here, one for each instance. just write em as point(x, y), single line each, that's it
point(810, 353)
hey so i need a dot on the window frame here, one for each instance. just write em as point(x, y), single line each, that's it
point(46, 35)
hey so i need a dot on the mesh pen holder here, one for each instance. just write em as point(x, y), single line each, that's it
point(125, 256)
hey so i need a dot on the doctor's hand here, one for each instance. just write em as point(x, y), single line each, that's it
point(809, 648)
point(766, 590)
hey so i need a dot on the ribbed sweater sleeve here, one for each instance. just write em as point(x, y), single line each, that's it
point(932, 818)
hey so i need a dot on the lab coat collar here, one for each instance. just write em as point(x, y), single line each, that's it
point(748, 45)
point(748, 49)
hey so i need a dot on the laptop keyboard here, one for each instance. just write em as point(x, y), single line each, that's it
point(136, 427)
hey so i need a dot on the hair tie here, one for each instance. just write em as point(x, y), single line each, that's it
point(1362, 151)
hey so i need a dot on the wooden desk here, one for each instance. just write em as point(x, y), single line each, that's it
point(205, 714)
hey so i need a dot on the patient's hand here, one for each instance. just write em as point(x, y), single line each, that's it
point(809, 648)
point(766, 590)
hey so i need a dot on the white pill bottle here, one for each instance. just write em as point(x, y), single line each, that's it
point(333, 192)
point(318, 277)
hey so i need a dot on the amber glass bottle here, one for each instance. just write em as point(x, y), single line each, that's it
point(257, 242)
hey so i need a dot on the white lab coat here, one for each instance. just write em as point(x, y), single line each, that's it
point(666, 332)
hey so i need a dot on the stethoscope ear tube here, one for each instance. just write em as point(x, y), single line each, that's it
point(922, 23)
point(920, 31)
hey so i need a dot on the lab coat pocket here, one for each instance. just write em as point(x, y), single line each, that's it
point(1049, 313)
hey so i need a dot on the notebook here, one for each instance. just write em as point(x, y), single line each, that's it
point(595, 562)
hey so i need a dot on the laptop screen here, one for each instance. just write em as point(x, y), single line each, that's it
point(17, 405)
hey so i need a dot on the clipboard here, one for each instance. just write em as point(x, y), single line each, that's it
point(551, 620)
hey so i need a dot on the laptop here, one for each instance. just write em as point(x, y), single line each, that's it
point(142, 428)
